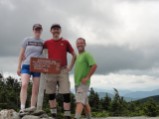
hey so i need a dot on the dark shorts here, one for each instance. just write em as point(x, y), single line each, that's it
point(26, 70)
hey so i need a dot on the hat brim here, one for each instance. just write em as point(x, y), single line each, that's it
point(37, 27)
point(56, 26)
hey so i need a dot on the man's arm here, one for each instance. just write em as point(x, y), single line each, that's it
point(69, 68)
point(90, 73)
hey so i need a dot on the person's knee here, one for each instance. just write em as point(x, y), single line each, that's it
point(24, 86)
point(52, 96)
point(66, 98)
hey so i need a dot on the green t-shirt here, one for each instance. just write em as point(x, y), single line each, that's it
point(83, 64)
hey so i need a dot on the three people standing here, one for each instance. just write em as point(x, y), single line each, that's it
point(58, 48)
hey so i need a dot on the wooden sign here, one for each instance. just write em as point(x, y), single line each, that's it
point(44, 65)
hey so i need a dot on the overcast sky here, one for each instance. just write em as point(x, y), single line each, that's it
point(122, 35)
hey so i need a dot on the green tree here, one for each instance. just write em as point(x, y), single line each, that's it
point(94, 100)
point(151, 109)
point(9, 93)
point(106, 102)
point(118, 105)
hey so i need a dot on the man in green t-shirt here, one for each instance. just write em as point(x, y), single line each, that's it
point(85, 66)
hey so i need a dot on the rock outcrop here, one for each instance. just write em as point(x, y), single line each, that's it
point(9, 114)
point(12, 114)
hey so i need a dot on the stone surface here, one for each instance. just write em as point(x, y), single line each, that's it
point(30, 117)
point(9, 114)
point(140, 117)
point(37, 114)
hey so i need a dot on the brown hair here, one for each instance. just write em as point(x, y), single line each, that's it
point(80, 38)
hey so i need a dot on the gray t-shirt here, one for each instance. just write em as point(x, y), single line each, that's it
point(33, 48)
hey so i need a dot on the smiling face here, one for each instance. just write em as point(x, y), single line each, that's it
point(37, 32)
point(81, 44)
point(56, 31)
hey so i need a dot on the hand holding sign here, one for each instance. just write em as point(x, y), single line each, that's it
point(45, 65)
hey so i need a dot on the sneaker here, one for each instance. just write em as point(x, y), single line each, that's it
point(67, 117)
point(30, 109)
point(22, 113)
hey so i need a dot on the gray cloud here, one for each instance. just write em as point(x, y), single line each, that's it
point(138, 1)
point(19, 16)
point(109, 59)
point(116, 58)
point(101, 17)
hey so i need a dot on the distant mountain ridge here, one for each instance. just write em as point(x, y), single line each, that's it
point(103, 94)
point(155, 98)
point(130, 96)
point(142, 94)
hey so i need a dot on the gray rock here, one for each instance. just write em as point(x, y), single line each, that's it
point(44, 116)
point(36, 117)
point(50, 118)
point(9, 114)
point(30, 117)
point(37, 112)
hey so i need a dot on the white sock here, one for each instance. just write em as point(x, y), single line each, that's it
point(32, 106)
point(22, 106)
point(88, 116)
point(67, 113)
point(53, 111)
point(77, 116)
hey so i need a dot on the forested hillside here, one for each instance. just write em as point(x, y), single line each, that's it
point(9, 99)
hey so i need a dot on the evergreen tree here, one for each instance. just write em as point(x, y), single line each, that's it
point(118, 105)
point(10, 91)
point(151, 109)
point(106, 101)
point(94, 100)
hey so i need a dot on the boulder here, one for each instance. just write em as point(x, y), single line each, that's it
point(9, 114)
point(30, 117)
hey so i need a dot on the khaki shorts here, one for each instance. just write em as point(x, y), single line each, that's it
point(82, 94)
point(58, 83)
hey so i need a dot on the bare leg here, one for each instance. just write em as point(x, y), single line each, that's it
point(67, 109)
point(35, 90)
point(66, 106)
point(53, 108)
point(79, 109)
point(87, 110)
point(52, 103)
point(23, 93)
